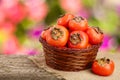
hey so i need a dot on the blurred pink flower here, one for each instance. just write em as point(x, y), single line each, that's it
point(5, 4)
point(36, 31)
point(11, 46)
point(84, 13)
point(118, 9)
point(37, 9)
point(9, 42)
point(32, 52)
point(27, 51)
point(16, 13)
point(2, 16)
point(105, 44)
point(73, 6)
point(8, 27)
point(109, 43)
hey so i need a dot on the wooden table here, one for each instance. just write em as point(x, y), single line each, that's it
point(21, 68)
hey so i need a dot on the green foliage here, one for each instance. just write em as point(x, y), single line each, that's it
point(108, 24)
point(93, 21)
point(54, 11)
point(20, 33)
point(22, 29)
point(88, 3)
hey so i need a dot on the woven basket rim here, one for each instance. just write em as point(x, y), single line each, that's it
point(66, 48)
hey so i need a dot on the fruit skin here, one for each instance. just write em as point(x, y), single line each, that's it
point(78, 23)
point(104, 69)
point(64, 20)
point(95, 35)
point(83, 42)
point(59, 42)
point(44, 33)
point(89, 45)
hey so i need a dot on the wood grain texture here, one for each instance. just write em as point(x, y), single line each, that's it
point(21, 68)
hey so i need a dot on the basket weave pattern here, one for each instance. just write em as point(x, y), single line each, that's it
point(69, 59)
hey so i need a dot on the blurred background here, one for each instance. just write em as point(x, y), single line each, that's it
point(21, 22)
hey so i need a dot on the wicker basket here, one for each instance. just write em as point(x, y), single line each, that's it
point(69, 59)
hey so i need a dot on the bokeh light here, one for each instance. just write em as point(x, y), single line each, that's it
point(21, 22)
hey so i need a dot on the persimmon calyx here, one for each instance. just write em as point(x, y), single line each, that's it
point(56, 33)
point(75, 38)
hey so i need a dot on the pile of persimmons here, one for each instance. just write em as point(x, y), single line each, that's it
point(72, 32)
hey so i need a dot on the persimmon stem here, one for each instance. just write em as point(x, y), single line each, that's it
point(98, 30)
point(78, 19)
